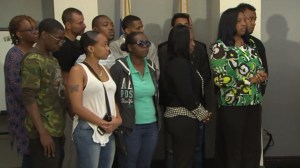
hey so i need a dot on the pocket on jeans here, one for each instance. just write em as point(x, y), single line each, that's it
point(82, 131)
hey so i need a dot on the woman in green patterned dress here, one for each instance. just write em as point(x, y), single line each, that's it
point(238, 74)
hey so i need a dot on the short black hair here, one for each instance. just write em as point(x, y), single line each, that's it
point(127, 21)
point(244, 6)
point(179, 15)
point(96, 20)
point(67, 14)
point(179, 42)
point(227, 26)
point(50, 25)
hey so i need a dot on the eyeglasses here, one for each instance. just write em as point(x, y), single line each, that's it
point(60, 41)
point(31, 30)
point(143, 43)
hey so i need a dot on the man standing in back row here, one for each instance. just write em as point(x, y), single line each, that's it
point(67, 55)
point(250, 15)
point(131, 24)
point(103, 24)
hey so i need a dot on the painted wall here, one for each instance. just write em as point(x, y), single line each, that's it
point(281, 110)
point(89, 10)
point(10, 8)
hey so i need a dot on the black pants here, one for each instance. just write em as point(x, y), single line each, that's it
point(185, 137)
point(238, 139)
point(39, 160)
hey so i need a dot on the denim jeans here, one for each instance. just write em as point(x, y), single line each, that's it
point(141, 144)
point(89, 153)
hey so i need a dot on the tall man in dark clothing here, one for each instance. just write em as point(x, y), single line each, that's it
point(67, 55)
point(74, 26)
point(201, 63)
point(250, 14)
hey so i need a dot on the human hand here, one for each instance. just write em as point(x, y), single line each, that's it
point(48, 144)
point(206, 120)
point(260, 77)
point(105, 126)
point(114, 124)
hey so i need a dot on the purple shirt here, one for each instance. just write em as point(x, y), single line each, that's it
point(15, 110)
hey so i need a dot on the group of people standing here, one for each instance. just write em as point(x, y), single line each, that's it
point(66, 97)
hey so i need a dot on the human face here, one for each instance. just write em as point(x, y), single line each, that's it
point(28, 32)
point(140, 47)
point(54, 40)
point(240, 25)
point(181, 21)
point(101, 49)
point(136, 26)
point(192, 42)
point(250, 20)
point(105, 26)
point(77, 26)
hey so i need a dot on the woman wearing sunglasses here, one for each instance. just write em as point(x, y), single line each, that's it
point(136, 96)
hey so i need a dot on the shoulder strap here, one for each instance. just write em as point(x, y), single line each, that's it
point(106, 98)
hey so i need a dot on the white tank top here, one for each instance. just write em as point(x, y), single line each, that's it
point(94, 100)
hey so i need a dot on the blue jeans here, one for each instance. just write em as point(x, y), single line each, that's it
point(89, 153)
point(141, 144)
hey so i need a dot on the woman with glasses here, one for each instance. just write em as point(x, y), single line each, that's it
point(92, 97)
point(137, 97)
point(24, 33)
point(41, 95)
point(183, 97)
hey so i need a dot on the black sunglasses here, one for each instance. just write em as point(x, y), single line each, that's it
point(143, 43)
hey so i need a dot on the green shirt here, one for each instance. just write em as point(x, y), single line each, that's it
point(144, 91)
point(232, 68)
point(42, 75)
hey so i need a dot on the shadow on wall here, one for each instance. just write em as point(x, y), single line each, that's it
point(153, 32)
point(283, 87)
point(201, 27)
point(166, 29)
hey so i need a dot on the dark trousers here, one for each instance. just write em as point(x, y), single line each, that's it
point(185, 137)
point(38, 158)
point(238, 137)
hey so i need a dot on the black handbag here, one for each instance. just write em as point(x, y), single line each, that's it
point(119, 133)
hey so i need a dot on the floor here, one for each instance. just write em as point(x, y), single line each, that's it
point(8, 157)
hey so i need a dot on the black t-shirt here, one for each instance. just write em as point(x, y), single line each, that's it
point(68, 54)
point(262, 54)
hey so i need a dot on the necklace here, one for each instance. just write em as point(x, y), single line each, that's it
point(98, 67)
point(101, 72)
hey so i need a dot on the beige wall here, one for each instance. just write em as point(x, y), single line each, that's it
point(88, 8)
